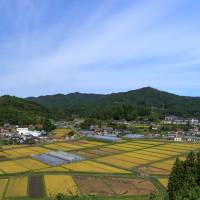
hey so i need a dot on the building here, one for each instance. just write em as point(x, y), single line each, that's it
point(180, 120)
point(192, 138)
point(193, 121)
point(178, 139)
point(174, 136)
point(22, 131)
point(26, 132)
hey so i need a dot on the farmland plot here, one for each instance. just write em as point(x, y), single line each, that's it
point(60, 184)
point(31, 164)
point(125, 186)
point(36, 189)
point(93, 186)
point(3, 184)
point(163, 181)
point(17, 187)
point(12, 167)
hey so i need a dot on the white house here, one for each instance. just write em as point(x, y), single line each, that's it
point(22, 131)
point(26, 132)
point(178, 139)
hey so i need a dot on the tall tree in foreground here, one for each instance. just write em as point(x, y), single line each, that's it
point(184, 180)
point(176, 179)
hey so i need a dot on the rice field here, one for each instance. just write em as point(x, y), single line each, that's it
point(93, 167)
point(3, 184)
point(53, 169)
point(60, 184)
point(163, 181)
point(116, 162)
point(31, 164)
point(20, 169)
point(12, 167)
point(61, 133)
point(17, 187)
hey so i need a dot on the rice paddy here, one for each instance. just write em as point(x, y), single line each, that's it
point(60, 184)
point(60, 133)
point(17, 187)
point(110, 167)
point(3, 184)
point(163, 181)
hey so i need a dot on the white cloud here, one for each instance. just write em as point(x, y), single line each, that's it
point(84, 57)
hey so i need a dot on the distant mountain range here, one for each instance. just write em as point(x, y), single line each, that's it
point(145, 103)
point(140, 102)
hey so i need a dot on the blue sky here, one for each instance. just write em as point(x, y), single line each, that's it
point(99, 46)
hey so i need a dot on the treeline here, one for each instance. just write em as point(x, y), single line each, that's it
point(122, 111)
point(15, 110)
point(142, 103)
point(184, 180)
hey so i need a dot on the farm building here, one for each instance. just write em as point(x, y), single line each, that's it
point(27, 132)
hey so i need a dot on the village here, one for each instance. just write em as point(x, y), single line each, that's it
point(170, 128)
point(13, 134)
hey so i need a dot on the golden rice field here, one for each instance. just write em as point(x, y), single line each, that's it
point(163, 181)
point(115, 162)
point(3, 184)
point(12, 167)
point(53, 169)
point(60, 133)
point(60, 184)
point(12, 154)
point(31, 164)
point(93, 167)
point(57, 147)
point(125, 158)
point(17, 187)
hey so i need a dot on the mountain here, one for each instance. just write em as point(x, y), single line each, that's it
point(20, 111)
point(140, 102)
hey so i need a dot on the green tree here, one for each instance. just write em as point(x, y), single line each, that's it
point(198, 167)
point(189, 194)
point(184, 179)
point(176, 179)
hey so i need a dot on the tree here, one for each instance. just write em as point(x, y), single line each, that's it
point(198, 167)
point(47, 125)
point(176, 179)
point(184, 180)
point(189, 194)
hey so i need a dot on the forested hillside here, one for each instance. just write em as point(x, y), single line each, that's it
point(142, 102)
point(19, 111)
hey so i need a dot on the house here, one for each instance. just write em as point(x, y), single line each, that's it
point(178, 139)
point(192, 138)
point(193, 122)
point(180, 120)
point(174, 136)
point(26, 132)
point(22, 131)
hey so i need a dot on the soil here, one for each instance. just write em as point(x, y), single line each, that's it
point(153, 170)
point(106, 186)
point(125, 186)
point(93, 186)
point(36, 189)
